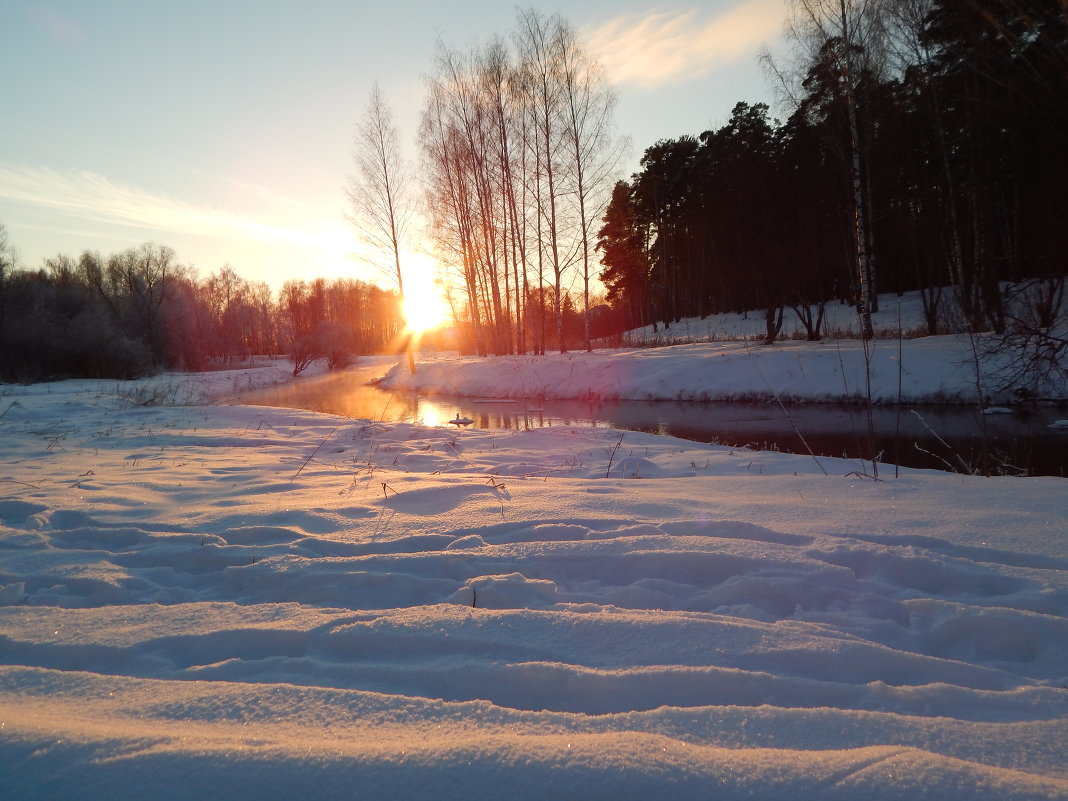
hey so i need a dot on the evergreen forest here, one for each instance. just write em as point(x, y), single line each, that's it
point(927, 149)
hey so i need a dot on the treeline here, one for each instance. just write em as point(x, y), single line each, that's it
point(518, 160)
point(927, 148)
point(139, 311)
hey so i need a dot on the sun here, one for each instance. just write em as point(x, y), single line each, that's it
point(424, 308)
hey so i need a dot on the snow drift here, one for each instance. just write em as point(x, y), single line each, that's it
point(241, 602)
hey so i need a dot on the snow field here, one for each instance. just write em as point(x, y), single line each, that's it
point(241, 602)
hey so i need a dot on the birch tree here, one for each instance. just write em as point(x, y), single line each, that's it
point(540, 83)
point(6, 264)
point(379, 189)
point(587, 105)
point(447, 164)
point(518, 161)
point(851, 34)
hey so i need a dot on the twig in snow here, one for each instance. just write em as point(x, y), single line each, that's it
point(11, 406)
point(501, 491)
point(317, 447)
point(963, 465)
point(20, 483)
point(612, 456)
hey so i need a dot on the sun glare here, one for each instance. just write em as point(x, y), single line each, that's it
point(424, 307)
point(424, 311)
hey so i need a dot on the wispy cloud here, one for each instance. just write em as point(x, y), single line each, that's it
point(56, 25)
point(664, 47)
point(87, 196)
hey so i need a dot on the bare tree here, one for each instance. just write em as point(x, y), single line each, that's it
point(5, 259)
point(473, 163)
point(1029, 357)
point(539, 81)
point(379, 190)
point(588, 102)
point(6, 265)
point(497, 75)
point(453, 160)
point(518, 161)
point(134, 285)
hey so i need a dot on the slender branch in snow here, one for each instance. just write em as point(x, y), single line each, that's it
point(612, 456)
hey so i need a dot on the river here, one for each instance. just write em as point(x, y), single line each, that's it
point(931, 436)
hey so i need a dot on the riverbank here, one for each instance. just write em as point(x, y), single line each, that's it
point(941, 369)
point(719, 358)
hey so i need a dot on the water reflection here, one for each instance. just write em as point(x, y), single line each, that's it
point(494, 413)
point(944, 437)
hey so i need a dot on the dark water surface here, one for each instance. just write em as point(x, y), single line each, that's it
point(942, 437)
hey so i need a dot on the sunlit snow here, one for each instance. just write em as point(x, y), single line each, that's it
point(210, 601)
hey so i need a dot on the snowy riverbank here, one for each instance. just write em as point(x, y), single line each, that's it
point(927, 370)
point(204, 601)
point(718, 358)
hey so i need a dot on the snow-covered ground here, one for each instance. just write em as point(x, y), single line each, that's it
point(206, 601)
point(897, 313)
point(720, 359)
point(932, 369)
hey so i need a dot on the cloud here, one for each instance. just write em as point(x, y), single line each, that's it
point(56, 25)
point(87, 196)
point(662, 47)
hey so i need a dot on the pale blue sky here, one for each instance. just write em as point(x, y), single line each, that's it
point(224, 128)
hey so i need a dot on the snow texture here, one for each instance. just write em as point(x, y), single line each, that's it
point(210, 601)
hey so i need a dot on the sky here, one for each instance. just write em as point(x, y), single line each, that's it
point(224, 130)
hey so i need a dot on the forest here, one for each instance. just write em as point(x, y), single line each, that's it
point(927, 150)
point(138, 311)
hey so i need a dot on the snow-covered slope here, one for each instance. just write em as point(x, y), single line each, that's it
point(896, 313)
point(930, 369)
point(719, 358)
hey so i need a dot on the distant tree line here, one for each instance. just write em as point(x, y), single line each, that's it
point(139, 311)
point(927, 147)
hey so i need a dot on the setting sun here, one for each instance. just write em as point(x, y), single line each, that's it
point(424, 307)
point(424, 312)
